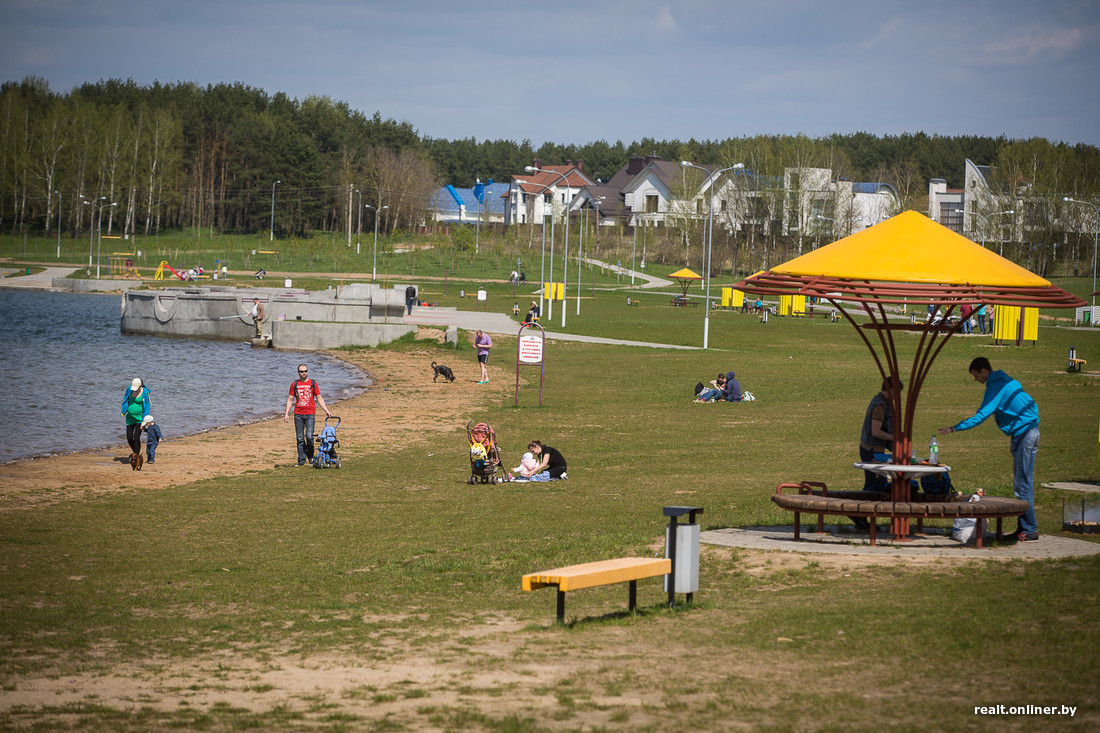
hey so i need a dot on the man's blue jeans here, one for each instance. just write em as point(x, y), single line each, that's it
point(303, 431)
point(1024, 447)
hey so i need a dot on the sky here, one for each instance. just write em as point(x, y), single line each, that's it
point(578, 72)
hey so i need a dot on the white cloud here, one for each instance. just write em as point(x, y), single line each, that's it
point(665, 22)
point(1033, 45)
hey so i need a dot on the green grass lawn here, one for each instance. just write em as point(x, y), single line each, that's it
point(394, 558)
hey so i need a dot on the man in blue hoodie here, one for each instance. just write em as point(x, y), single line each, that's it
point(1017, 416)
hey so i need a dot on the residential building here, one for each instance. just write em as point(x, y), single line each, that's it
point(533, 196)
point(464, 205)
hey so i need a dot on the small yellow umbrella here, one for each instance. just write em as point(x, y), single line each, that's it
point(685, 278)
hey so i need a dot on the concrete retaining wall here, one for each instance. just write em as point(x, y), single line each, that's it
point(223, 313)
point(311, 335)
point(90, 286)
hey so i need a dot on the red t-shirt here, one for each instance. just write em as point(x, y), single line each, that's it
point(303, 394)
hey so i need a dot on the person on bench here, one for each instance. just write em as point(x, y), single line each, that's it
point(877, 436)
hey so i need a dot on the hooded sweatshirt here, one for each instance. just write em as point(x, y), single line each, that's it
point(135, 409)
point(1006, 400)
point(732, 391)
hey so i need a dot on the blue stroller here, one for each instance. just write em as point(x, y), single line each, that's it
point(325, 453)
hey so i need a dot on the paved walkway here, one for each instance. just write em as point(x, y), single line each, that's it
point(36, 281)
point(934, 543)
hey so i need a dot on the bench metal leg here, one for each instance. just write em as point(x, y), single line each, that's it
point(632, 602)
point(561, 606)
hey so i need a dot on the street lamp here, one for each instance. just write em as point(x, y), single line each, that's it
point(359, 226)
point(710, 237)
point(565, 257)
point(985, 221)
point(99, 236)
point(58, 224)
point(273, 185)
point(377, 214)
point(91, 227)
point(580, 245)
point(1095, 233)
point(542, 269)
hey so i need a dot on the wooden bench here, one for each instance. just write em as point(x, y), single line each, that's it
point(1076, 364)
point(633, 302)
point(814, 497)
point(681, 302)
point(591, 574)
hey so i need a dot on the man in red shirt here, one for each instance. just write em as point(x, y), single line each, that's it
point(303, 393)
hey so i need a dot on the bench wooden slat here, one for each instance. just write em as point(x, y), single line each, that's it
point(603, 572)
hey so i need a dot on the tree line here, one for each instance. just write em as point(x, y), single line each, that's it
point(180, 156)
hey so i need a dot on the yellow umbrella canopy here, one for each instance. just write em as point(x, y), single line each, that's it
point(913, 259)
point(684, 277)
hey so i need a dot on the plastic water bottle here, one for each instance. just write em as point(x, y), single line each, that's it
point(934, 451)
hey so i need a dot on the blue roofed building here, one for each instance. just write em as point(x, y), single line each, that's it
point(452, 205)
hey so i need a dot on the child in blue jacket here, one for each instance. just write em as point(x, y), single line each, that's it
point(153, 436)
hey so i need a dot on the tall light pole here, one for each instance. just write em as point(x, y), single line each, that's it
point(273, 185)
point(580, 248)
point(99, 237)
point(91, 226)
point(1095, 234)
point(58, 224)
point(565, 256)
point(985, 220)
point(542, 268)
point(377, 215)
point(479, 192)
point(359, 226)
point(711, 178)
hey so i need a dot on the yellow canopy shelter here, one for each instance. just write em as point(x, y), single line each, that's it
point(685, 278)
point(908, 259)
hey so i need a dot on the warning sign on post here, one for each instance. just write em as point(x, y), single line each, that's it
point(530, 349)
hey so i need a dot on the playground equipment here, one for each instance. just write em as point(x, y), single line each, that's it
point(159, 275)
point(121, 264)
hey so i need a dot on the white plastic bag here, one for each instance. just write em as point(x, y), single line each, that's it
point(965, 527)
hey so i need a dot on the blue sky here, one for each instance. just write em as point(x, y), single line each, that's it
point(574, 72)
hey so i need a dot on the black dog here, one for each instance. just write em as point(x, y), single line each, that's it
point(442, 371)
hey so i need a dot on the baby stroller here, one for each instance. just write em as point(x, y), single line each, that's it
point(484, 454)
point(326, 443)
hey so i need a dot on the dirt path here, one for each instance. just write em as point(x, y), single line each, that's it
point(396, 401)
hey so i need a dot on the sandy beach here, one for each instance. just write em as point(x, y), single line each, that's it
point(395, 401)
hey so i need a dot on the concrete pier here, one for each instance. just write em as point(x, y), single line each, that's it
point(357, 314)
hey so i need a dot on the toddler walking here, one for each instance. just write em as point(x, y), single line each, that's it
point(153, 436)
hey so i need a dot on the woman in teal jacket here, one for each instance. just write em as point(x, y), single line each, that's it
point(135, 407)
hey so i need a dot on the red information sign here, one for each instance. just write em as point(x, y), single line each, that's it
point(530, 352)
point(530, 349)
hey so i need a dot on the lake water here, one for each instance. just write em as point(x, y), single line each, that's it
point(67, 365)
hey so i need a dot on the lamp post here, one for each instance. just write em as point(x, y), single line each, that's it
point(58, 224)
point(596, 207)
point(359, 226)
point(565, 257)
point(99, 236)
point(273, 185)
point(542, 268)
point(985, 220)
point(711, 177)
point(1095, 235)
point(377, 214)
point(91, 226)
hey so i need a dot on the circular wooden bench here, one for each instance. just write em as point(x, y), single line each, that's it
point(815, 498)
